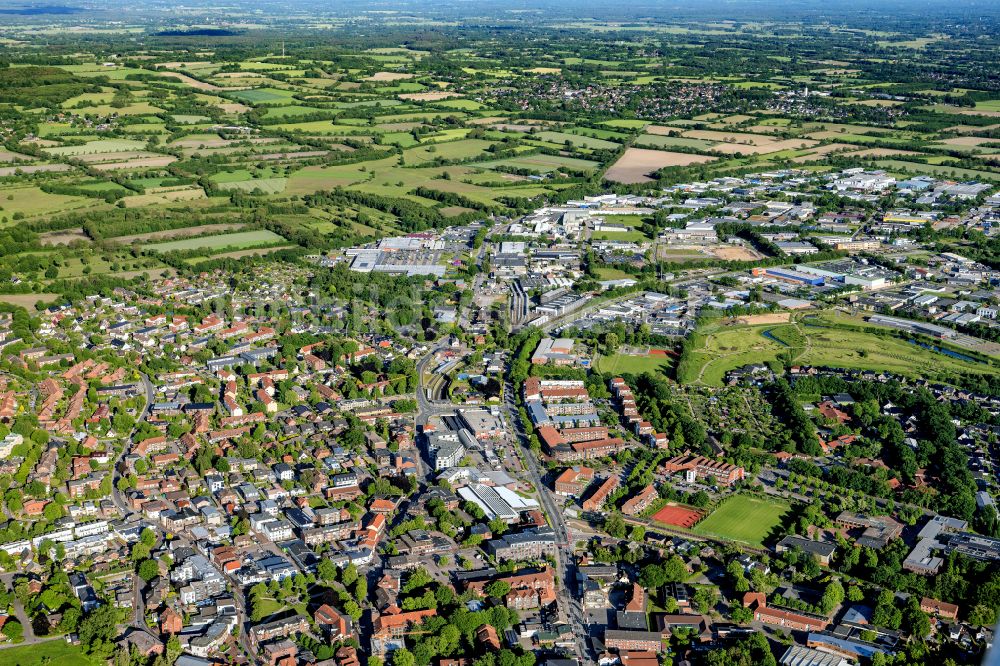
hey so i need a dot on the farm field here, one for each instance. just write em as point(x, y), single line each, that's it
point(260, 131)
point(175, 233)
point(33, 202)
point(746, 519)
point(97, 147)
point(637, 163)
point(541, 163)
point(576, 139)
point(238, 240)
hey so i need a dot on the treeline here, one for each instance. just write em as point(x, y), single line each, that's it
point(66, 189)
point(747, 232)
point(412, 216)
point(43, 86)
point(786, 406)
point(453, 199)
point(657, 404)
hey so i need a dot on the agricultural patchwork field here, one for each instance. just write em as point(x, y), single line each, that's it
point(270, 132)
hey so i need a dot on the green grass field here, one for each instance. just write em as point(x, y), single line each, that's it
point(263, 95)
point(585, 141)
point(242, 239)
point(938, 170)
point(100, 146)
point(606, 273)
point(627, 236)
point(32, 201)
point(632, 364)
point(265, 185)
point(451, 150)
point(54, 652)
point(541, 163)
point(745, 519)
point(661, 141)
point(292, 111)
point(626, 123)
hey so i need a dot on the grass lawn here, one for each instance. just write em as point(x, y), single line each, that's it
point(632, 364)
point(56, 651)
point(242, 239)
point(745, 519)
point(633, 236)
point(606, 273)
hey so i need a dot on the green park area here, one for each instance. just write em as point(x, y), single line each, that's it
point(829, 339)
point(50, 653)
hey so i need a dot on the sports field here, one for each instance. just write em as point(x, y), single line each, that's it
point(678, 516)
point(633, 363)
point(745, 519)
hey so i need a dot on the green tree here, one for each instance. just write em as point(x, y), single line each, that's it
point(13, 630)
point(833, 596)
point(148, 570)
point(674, 569)
point(403, 657)
point(614, 525)
point(497, 588)
point(99, 628)
point(326, 570)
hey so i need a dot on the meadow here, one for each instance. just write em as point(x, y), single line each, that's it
point(49, 653)
point(237, 240)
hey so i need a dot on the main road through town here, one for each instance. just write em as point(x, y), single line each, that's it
point(565, 566)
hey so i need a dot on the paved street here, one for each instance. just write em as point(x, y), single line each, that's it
point(569, 605)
